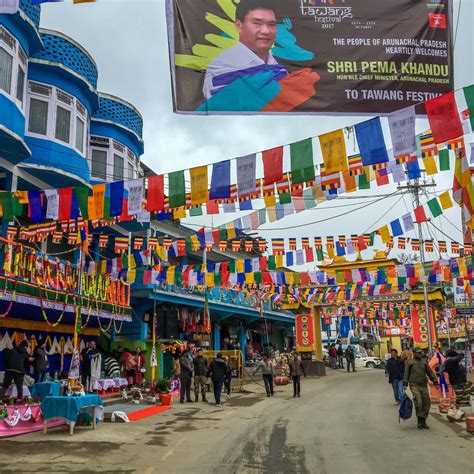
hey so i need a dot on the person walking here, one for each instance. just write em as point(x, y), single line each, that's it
point(457, 373)
point(16, 362)
point(200, 364)
point(185, 377)
point(350, 359)
point(140, 368)
point(40, 362)
point(296, 371)
point(333, 356)
point(87, 355)
point(340, 357)
point(228, 379)
point(217, 371)
point(268, 371)
point(129, 366)
point(395, 370)
point(417, 373)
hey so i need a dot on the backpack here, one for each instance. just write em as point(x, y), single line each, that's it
point(406, 408)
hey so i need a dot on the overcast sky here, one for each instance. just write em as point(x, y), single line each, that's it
point(128, 41)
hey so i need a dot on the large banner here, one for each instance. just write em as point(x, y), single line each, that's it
point(308, 56)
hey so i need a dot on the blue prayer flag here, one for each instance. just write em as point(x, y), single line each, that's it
point(413, 170)
point(116, 198)
point(396, 228)
point(220, 181)
point(371, 142)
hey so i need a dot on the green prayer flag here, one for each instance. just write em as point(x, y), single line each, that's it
point(139, 274)
point(319, 254)
point(372, 238)
point(302, 165)
point(17, 208)
point(435, 207)
point(232, 266)
point(308, 198)
point(82, 196)
point(296, 278)
point(364, 183)
point(402, 280)
point(7, 207)
point(125, 260)
point(271, 263)
point(217, 278)
point(177, 191)
point(444, 159)
point(262, 216)
point(339, 276)
point(258, 277)
point(222, 234)
point(284, 198)
point(178, 277)
point(469, 95)
point(107, 208)
point(195, 211)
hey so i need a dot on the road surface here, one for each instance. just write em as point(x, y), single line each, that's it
point(343, 423)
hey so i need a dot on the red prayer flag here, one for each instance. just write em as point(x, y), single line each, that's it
point(420, 215)
point(382, 180)
point(212, 207)
point(156, 193)
point(263, 264)
point(65, 202)
point(309, 255)
point(272, 165)
point(443, 116)
point(361, 243)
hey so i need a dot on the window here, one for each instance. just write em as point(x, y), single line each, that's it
point(99, 164)
point(6, 62)
point(63, 124)
point(20, 84)
point(38, 118)
point(130, 171)
point(118, 167)
point(79, 134)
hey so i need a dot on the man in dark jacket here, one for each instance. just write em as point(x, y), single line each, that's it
point(394, 370)
point(296, 371)
point(458, 378)
point(40, 362)
point(200, 373)
point(340, 356)
point(350, 359)
point(218, 373)
point(16, 362)
point(185, 376)
point(417, 373)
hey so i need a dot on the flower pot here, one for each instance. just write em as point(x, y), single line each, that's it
point(470, 424)
point(281, 380)
point(445, 404)
point(165, 399)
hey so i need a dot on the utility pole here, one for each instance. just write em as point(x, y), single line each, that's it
point(415, 188)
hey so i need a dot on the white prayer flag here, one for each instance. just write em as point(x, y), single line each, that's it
point(9, 6)
point(246, 175)
point(52, 208)
point(135, 196)
point(402, 131)
point(408, 222)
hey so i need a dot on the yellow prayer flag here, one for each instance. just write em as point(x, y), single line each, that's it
point(239, 266)
point(278, 261)
point(333, 147)
point(370, 173)
point(98, 196)
point(384, 234)
point(330, 251)
point(179, 213)
point(270, 204)
point(170, 276)
point(250, 278)
point(445, 200)
point(199, 185)
point(230, 230)
point(210, 279)
point(131, 275)
point(430, 165)
point(289, 278)
point(22, 196)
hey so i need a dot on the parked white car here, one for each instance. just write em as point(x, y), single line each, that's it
point(369, 362)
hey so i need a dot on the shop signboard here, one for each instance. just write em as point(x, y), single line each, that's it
point(305, 333)
point(308, 56)
point(419, 323)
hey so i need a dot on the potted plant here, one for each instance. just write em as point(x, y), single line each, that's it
point(163, 387)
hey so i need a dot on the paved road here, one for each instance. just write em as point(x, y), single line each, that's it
point(343, 423)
